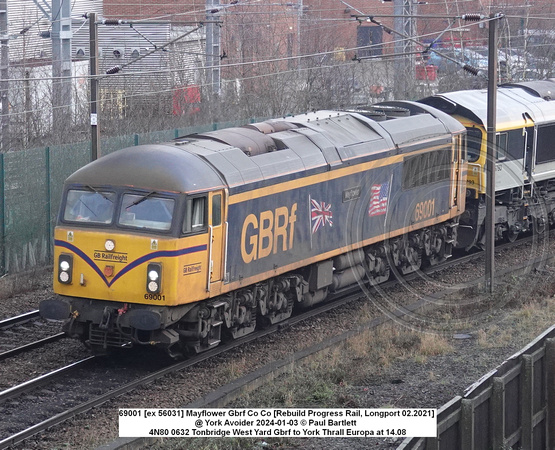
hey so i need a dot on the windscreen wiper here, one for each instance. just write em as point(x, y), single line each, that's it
point(96, 191)
point(140, 200)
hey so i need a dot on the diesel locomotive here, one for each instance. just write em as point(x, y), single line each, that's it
point(183, 244)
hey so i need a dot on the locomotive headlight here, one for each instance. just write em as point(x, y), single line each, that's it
point(153, 278)
point(65, 268)
point(153, 275)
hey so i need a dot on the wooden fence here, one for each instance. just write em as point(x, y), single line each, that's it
point(512, 407)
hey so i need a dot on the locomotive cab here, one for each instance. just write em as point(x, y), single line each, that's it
point(144, 254)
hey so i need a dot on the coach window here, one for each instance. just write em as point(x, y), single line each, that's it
point(195, 215)
point(501, 146)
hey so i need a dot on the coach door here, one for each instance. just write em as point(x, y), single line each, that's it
point(216, 227)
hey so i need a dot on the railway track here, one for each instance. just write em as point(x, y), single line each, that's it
point(74, 371)
point(18, 320)
point(26, 332)
point(31, 346)
point(94, 398)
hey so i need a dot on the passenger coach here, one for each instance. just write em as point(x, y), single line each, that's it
point(524, 157)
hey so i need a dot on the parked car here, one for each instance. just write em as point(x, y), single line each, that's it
point(447, 66)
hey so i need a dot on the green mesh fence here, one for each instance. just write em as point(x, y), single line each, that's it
point(64, 160)
point(31, 183)
point(26, 211)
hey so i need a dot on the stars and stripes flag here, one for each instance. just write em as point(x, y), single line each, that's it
point(320, 214)
point(379, 194)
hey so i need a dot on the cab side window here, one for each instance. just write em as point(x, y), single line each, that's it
point(216, 210)
point(544, 146)
point(473, 143)
point(195, 215)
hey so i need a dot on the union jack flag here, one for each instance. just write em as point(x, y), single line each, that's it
point(378, 199)
point(321, 215)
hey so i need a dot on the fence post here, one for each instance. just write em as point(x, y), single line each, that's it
point(48, 202)
point(550, 380)
point(527, 394)
point(135, 139)
point(498, 413)
point(467, 424)
point(2, 215)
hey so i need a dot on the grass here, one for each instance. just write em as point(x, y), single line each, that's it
point(344, 376)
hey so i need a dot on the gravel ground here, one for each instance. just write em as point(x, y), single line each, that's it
point(23, 292)
point(401, 378)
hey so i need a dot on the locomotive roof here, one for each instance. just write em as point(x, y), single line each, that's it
point(157, 167)
point(513, 101)
point(244, 157)
point(316, 141)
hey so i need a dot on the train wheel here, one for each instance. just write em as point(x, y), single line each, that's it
point(510, 235)
point(245, 324)
point(283, 312)
point(240, 312)
point(412, 260)
point(539, 225)
point(275, 304)
point(377, 267)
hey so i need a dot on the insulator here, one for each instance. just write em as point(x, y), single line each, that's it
point(113, 70)
point(471, 69)
point(112, 22)
point(472, 17)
